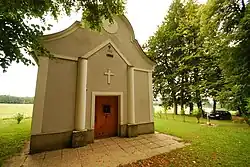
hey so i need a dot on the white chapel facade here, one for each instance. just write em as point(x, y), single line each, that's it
point(96, 85)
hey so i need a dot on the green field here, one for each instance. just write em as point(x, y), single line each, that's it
point(13, 136)
point(9, 110)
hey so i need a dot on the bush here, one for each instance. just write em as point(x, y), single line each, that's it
point(248, 104)
point(161, 114)
point(158, 114)
point(246, 118)
point(165, 113)
point(237, 119)
point(248, 122)
point(197, 113)
point(19, 117)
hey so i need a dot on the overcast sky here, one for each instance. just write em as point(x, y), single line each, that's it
point(144, 15)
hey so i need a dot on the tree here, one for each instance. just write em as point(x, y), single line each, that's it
point(229, 20)
point(165, 49)
point(18, 36)
point(191, 66)
point(212, 42)
point(236, 63)
point(175, 47)
point(203, 51)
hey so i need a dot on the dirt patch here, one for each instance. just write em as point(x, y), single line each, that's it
point(157, 161)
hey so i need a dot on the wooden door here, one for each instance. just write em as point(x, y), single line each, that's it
point(106, 116)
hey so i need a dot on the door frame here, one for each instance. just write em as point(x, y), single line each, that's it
point(120, 106)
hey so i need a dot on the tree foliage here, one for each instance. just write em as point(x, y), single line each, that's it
point(203, 51)
point(19, 36)
point(176, 49)
point(165, 48)
point(230, 20)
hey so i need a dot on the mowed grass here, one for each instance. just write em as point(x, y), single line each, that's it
point(224, 145)
point(9, 110)
point(227, 144)
point(13, 137)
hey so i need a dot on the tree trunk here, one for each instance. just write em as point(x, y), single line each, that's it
point(191, 108)
point(199, 104)
point(240, 112)
point(182, 95)
point(214, 105)
point(197, 92)
point(243, 7)
point(182, 104)
point(175, 106)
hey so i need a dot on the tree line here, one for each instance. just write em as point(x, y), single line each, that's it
point(201, 51)
point(16, 100)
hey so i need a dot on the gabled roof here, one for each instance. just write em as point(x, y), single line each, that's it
point(102, 45)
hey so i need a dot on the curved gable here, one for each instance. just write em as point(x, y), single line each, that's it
point(65, 43)
point(133, 40)
point(63, 33)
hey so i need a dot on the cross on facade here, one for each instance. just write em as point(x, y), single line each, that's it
point(109, 74)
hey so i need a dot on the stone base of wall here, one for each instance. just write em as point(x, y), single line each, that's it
point(54, 141)
point(132, 130)
point(146, 128)
point(47, 142)
point(122, 131)
point(82, 138)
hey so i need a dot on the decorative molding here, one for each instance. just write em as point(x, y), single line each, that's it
point(102, 45)
point(111, 28)
point(134, 41)
point(143, 123)
point(150, 90)
point(65, 57)
point(96, 49)
point(143, 54)
point(76, 25)
point(120, 101)
point(143, 70)
point(63, 33)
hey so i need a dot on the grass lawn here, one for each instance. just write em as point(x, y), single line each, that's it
point(227, 145)
point(9, 110)
point(224, 145)
point(12, 136)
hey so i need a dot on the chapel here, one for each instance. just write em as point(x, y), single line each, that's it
point(96, 85)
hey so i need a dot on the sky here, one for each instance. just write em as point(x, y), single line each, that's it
point(144, 15)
